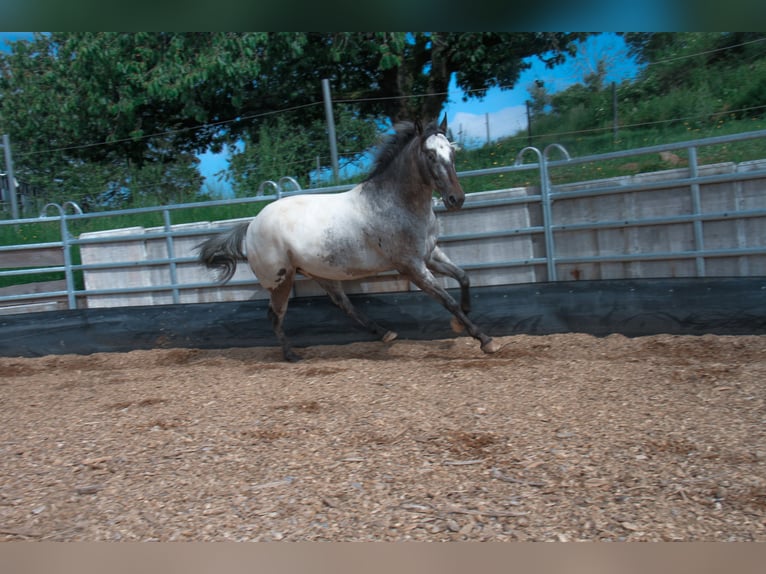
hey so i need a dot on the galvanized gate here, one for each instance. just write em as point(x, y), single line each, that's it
point(693, 221)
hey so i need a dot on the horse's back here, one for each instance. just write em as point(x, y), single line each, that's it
point(307, 218)
point(321, 235)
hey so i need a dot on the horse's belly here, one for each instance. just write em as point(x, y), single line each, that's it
point(319, 236)
point(349, 262)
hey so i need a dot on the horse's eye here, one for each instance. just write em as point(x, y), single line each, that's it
point(431, 155)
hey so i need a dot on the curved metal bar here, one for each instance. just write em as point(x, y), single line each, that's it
point(290, 180)
point(60, 208)
point(264, 184)
point(43, 211)
point(520, 155)
point(559, 147)
point(75, 207)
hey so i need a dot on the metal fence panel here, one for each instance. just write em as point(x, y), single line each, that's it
point(686, 222)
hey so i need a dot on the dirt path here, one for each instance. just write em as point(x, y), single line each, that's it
point(562, 437)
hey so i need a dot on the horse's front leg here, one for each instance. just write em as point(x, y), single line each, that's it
point(440, 264)
point(421, 276)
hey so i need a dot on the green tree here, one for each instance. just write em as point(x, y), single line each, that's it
point(646, 46)
point(128, 102)
point(540, 98)
point(282, 149)
point(379, 77)
point(697, 75)
point(423, 63)
point(696, 79)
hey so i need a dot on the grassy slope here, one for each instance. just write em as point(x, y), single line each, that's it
point(503, 152)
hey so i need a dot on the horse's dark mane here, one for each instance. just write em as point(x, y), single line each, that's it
point(393, 144)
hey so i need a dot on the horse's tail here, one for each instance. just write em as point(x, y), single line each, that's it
point(223, 251)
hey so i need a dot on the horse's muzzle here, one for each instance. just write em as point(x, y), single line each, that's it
point(452, 201)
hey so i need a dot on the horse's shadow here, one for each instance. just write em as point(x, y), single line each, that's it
point(366, 350)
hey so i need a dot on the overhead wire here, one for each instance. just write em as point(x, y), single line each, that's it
point(705, 52)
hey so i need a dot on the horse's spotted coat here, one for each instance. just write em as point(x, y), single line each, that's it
point(385, 223)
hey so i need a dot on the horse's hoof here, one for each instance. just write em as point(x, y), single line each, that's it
point(456, 325)
point(490, 347)
point(389, 336)
point(291, 357)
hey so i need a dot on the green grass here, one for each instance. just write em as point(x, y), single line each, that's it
point(504, 152)
point(42, 231)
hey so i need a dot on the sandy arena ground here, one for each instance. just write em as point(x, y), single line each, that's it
point(562, 437)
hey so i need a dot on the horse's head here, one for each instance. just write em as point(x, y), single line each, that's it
point(438, 159)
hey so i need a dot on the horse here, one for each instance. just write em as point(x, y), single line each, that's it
point(384, 223)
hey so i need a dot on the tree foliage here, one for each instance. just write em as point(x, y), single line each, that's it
point(694, 78)
point(422, 64)
point(125, 108)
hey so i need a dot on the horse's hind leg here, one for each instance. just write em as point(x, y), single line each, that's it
point(280, 296)
point(339, 297)
point(439, 263)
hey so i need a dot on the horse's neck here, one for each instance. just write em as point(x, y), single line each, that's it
point(417, 199)
point(410, 192)
point(406, 196)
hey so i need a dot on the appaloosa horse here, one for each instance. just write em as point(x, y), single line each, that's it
point(384, 223)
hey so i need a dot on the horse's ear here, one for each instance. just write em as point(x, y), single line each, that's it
point(443, 125)
point(418, 127)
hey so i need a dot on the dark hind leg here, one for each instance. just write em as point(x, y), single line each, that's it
point(335, 290)
point(439, 263)
point(280, 296)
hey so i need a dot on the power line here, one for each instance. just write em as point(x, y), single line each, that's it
point(238, 119)
point(675, 58)
point(644, 124)
point(171, 132)
point(386, 98)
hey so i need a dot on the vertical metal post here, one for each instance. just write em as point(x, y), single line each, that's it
point(486, 121)
point(65, 246)
point(171, 255)
point(529, 124)
point(68, 275)
point(550, 243)
point(330, 128)
point(614, 111)
point(545, 192)
point(11, 177)
point(699, 238)
point(545, 201)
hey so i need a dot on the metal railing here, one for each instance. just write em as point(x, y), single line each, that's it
point(549, 228)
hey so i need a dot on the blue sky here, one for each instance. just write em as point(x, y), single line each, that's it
point(505, 108)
